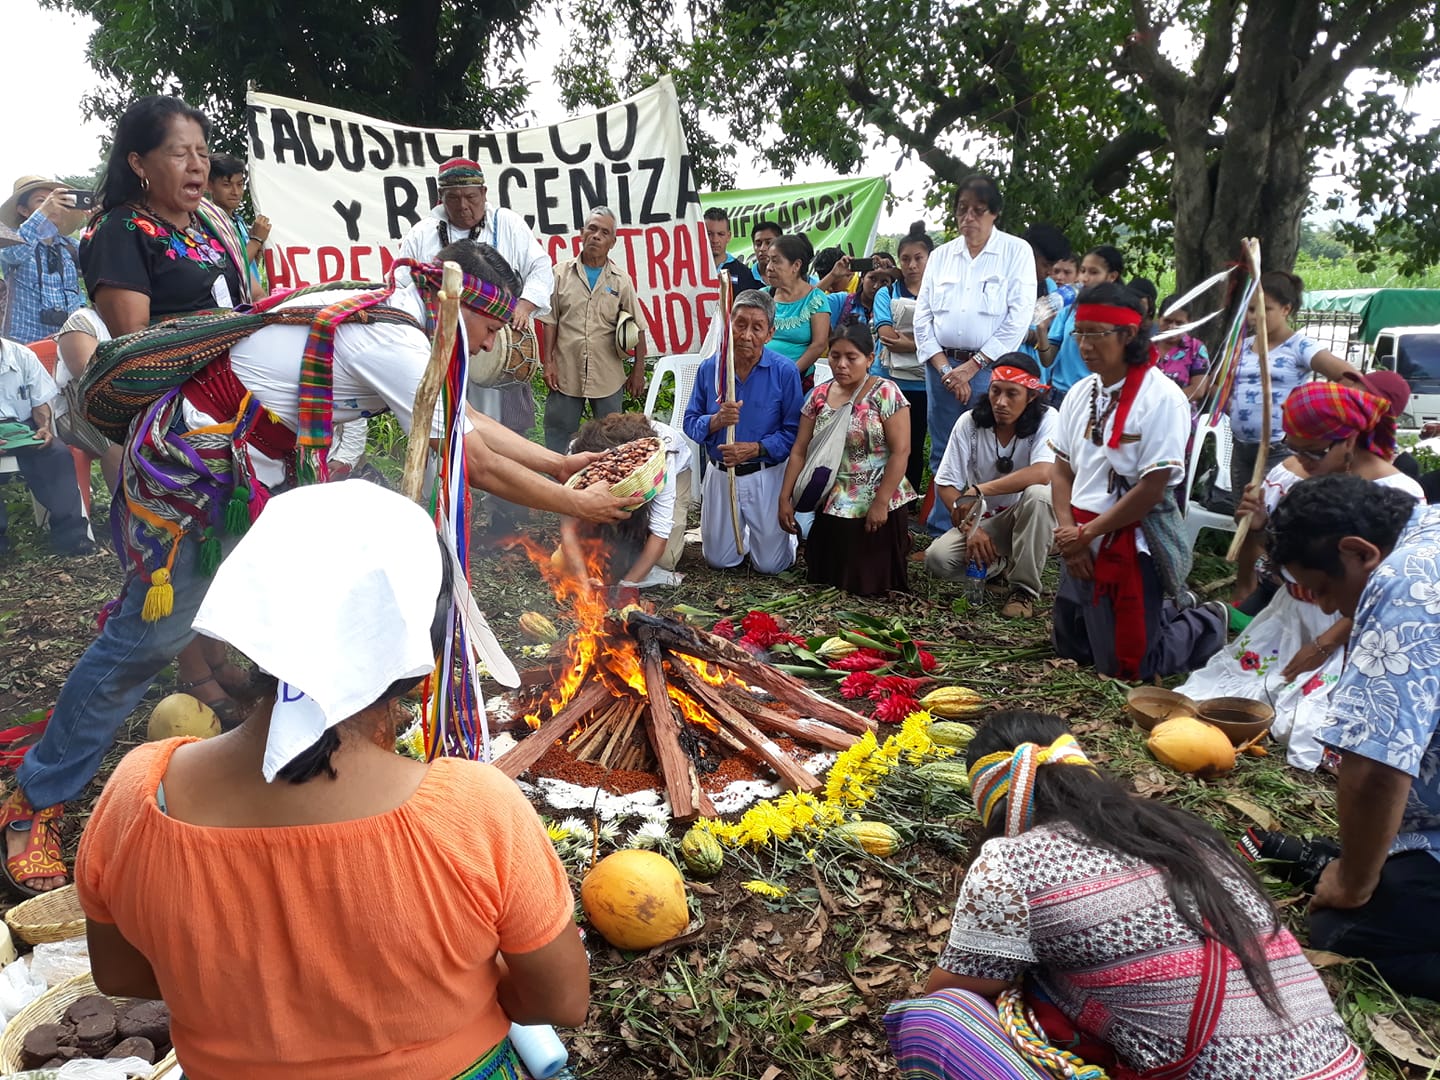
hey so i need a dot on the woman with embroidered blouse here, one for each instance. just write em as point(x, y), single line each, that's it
point(156, 249)
point(1119, 927)
point(860, 539)
point(802, 311)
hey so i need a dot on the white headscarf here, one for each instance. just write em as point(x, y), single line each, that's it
point(332, 591)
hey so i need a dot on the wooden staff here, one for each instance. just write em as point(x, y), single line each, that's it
point(412, 482)
point(1262, 353)
point(725, 304)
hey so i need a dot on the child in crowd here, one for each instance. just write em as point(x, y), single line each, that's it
point(227, 191)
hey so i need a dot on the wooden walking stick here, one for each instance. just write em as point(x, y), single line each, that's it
point(412, 482)
point(1262, 353)
point(725, 306)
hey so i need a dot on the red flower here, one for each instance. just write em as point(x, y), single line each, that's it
point(896, 684)
point(1315, 683)
point(724, 628)
point(145, 225)
point(861, 660)
point(1250, 661)
point(927, 662)
point(759, 623)
point(894, 709)
point(857, 684)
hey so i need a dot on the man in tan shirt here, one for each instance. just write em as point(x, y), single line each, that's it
point(583, 362)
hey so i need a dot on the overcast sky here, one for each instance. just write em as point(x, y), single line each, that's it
point(45, 130)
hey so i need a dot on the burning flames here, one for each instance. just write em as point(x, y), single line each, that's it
point(597, 650)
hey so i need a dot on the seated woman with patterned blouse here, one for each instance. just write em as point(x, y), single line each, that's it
point(1120, 927)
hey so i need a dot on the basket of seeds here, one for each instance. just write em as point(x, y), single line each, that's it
point(636, 469)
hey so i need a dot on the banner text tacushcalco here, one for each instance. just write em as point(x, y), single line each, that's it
point(342, 190)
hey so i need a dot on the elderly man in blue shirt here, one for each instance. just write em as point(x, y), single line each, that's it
point(26, 390)
point(766, 416)
point(44, 284)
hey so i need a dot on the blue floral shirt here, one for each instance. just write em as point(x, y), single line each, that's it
point(1386, 706)
point(1289, 367)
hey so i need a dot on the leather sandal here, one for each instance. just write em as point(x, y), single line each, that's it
point(41, 857)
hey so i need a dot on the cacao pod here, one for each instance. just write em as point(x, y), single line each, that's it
point(538, 628)
point(874, 836)
point(1192, 746)
point(834, 648)
point(702, 853)
point(950, 733)
point(947, 773)
point(953, 702)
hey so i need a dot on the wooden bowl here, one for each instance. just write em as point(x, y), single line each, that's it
point(1148, 706)
point(1240, 718)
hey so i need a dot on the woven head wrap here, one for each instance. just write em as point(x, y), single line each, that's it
point(1330, 411)
point(461, 172)
point(315, 427)
point(1011, 774)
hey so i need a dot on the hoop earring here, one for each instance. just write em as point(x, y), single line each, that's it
point(144, 185)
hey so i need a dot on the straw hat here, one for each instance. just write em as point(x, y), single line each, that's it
point(9, 211)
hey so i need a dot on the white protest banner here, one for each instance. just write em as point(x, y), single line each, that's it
point(342, 189)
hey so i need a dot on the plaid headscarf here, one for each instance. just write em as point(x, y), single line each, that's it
point(1331, 411)
point(315, 427)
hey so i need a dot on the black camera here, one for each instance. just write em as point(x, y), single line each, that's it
point(54, 316)
point(1292, 858)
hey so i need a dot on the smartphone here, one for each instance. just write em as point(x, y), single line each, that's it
point(84, 200)
point(862, 266)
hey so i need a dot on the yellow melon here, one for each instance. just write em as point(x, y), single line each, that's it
point(1189, 745)
point(181, 714)
point(636, 899)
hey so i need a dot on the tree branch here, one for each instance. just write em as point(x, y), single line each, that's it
point(1367, 26)
point(943, 164)
point(1112, 165)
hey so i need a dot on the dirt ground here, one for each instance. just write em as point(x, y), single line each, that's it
point(761, 989)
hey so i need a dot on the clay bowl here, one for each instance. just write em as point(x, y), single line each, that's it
point(1149, 705)
point(1239, 718)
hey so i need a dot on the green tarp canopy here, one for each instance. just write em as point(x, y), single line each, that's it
point(1379, 308)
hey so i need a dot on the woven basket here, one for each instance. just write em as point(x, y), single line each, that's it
point(645, 480)
point(48, 1008)
point(51, 916)
point(167, 1068)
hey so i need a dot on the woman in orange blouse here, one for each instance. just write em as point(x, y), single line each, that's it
point(306, 901)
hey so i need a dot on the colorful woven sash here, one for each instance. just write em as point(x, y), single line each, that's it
point(1010, 775)
point(501, 1063)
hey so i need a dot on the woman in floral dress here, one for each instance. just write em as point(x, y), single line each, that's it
point(860, 539)
point(1290, 656)
point(1119, 927)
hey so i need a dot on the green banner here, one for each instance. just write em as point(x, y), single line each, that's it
point(843, 213)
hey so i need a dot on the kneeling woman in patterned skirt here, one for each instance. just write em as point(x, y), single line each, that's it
point(860, 538)
point(1118, 927)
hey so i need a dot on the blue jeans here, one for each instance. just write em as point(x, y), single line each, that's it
point(108, 682)
point(941, 413)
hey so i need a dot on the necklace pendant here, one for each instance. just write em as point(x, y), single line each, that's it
point(1004, 465)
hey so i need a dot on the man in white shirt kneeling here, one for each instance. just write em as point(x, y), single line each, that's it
point(995, 482)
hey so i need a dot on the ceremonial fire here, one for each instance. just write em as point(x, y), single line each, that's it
point(639, 692)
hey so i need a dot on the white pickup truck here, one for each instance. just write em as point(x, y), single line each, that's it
point(1414, 352)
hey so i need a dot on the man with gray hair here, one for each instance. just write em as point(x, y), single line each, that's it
point(766, 415)
point(592, 326)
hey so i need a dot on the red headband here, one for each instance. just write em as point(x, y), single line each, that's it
point(1006, 373)
point(1108, 313)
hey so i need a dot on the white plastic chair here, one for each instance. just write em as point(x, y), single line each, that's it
point(1197, 517)
point(681, 369)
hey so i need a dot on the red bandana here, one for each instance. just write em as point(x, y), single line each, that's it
point(1108, 313)
point(1006, 373)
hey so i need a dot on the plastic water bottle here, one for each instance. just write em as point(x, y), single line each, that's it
point(539, 1048)
point(1051, 304)
point(975, 584)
